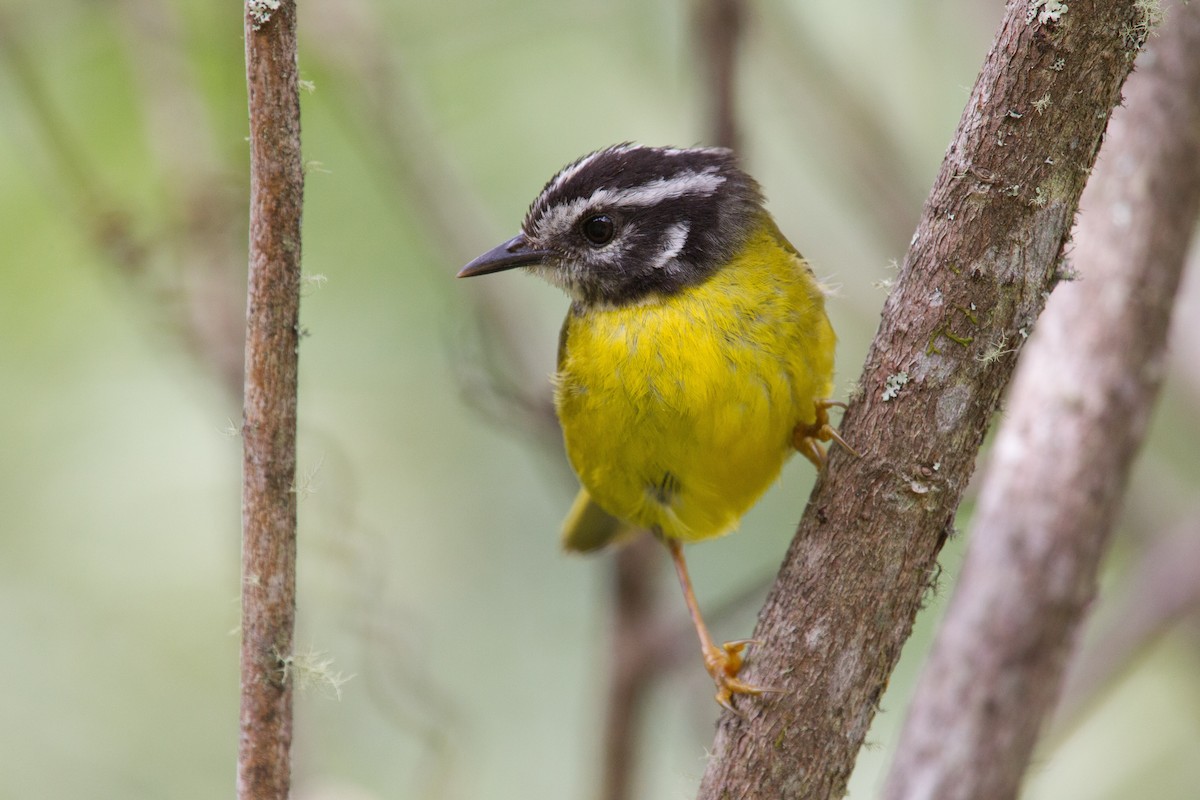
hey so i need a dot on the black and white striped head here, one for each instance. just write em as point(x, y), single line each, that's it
point(629, 221)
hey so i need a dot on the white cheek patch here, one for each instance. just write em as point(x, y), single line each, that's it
point(673, 244)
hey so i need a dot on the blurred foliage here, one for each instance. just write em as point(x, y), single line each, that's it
point(433, 484)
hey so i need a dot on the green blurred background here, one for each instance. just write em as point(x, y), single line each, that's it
point(432, 484)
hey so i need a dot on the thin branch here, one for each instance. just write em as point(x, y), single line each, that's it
point(719, 25)
point(982, 260)
point(635, 602)
point(1078, 414)
point(269, 426)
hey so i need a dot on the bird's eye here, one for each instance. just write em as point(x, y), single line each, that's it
point(598, 229)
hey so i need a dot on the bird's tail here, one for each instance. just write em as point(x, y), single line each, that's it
point(588, 527)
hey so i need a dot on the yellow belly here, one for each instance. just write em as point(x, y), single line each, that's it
point(678, 412)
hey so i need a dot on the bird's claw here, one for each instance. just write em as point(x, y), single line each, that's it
point(723, 665)
point(807, 438)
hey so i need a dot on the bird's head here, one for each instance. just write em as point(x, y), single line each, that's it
point(628, 222)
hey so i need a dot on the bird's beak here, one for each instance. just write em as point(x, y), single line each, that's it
point(516, 252)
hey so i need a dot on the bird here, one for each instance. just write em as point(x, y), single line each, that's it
point(695, 358)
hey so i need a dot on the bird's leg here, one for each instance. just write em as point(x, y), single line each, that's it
point(724, 662)
point(807, 438)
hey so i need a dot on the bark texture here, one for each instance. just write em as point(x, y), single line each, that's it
point(1078, 414)
point(981, 263)
point(269, 424)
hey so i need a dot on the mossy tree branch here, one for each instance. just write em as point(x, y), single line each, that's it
point(269, 424)
point(1078, 413)
point(982, 261)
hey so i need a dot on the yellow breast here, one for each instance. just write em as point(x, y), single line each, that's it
point(678, 411)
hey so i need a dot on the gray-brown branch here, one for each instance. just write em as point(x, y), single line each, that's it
point(269, 424)
point(983, 258)
point(1078, 413)
point(636, 569)
point(719, 25)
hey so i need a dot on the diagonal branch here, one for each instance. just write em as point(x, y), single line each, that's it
point(269, 424)
point(1084, 394)
point(982, 261)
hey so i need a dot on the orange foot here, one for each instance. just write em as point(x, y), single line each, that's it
point(807, 438)
point(724, 663)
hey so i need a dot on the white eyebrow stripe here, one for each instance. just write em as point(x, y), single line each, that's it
point(571, 171)
point(683, 151)
point(655, 191)
point(647, 194)
point(677, 236)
